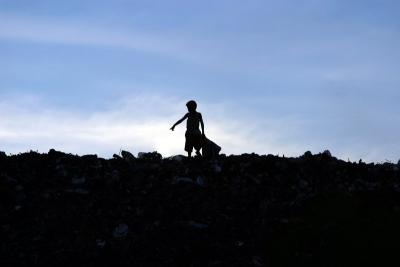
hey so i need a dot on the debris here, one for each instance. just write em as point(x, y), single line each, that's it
point(150, 155)
point(246, 210)
point(78, 191)
point(327, 153)
point(217, 168)
point(121, 230)
point(78, 181)
point(100, 243)
point(200, 181)
point(19, 188)
point(307, 154)
point(127, 155)
point(182, 180)
point(239, 243)
point(198, 225)
point(257, 261)
point(115, 156)
point(177, 158)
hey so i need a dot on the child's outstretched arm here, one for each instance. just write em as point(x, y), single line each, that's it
point(176, 123)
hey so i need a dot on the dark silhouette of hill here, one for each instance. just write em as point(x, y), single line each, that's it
point(59, 209)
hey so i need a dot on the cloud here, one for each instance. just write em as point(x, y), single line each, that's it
point(142, 122)
point(189, 47)
point(38, 30)
point(138, 123)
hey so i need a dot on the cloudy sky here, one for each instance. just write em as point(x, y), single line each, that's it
point(271, 77)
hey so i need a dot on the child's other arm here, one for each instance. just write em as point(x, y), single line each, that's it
point(176, 123)
point(202, 124)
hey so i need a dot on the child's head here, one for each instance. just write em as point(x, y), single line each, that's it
point(191, 105)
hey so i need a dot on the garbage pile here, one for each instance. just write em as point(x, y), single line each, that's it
point(60, 209)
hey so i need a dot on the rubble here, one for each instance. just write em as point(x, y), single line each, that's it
point(150, 155)
point(121, 230)
point(127, 156)
point(327, 153)
point(178, 158)
point(245, 210)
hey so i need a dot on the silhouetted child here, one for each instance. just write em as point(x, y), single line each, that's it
point(194, 137)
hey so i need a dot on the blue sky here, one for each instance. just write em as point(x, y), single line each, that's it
point(269, 76)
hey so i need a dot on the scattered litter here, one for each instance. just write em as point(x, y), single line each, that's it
point(100, 243)
point(200, 181)
point(239, 243)
point(217, 168)
point(19, 188)
point(327, 153)
point(78, 181)
point(78, 191)
point(198, 225)
point(177, 158)
point(257, 261)
point(150, 155)
point(121, 230)
point(127, 155)
point(182, 180)
point(225, 211)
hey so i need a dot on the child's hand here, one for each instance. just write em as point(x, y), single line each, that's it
point(172, 128)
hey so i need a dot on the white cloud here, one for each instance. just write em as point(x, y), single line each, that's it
point(134, 123)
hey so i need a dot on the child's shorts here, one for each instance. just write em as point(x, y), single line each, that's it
point(193, 140)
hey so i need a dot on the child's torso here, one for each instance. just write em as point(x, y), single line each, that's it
point(192, 124)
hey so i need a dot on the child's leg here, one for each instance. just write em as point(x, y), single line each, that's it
point(189, 154)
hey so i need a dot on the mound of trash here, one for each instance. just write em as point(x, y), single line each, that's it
point(60, 209)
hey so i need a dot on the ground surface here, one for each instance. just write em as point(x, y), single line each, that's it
point(58, 209)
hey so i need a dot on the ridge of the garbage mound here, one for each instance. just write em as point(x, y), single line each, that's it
point(154, 155)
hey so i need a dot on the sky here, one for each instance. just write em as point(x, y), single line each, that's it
point(270, 77)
